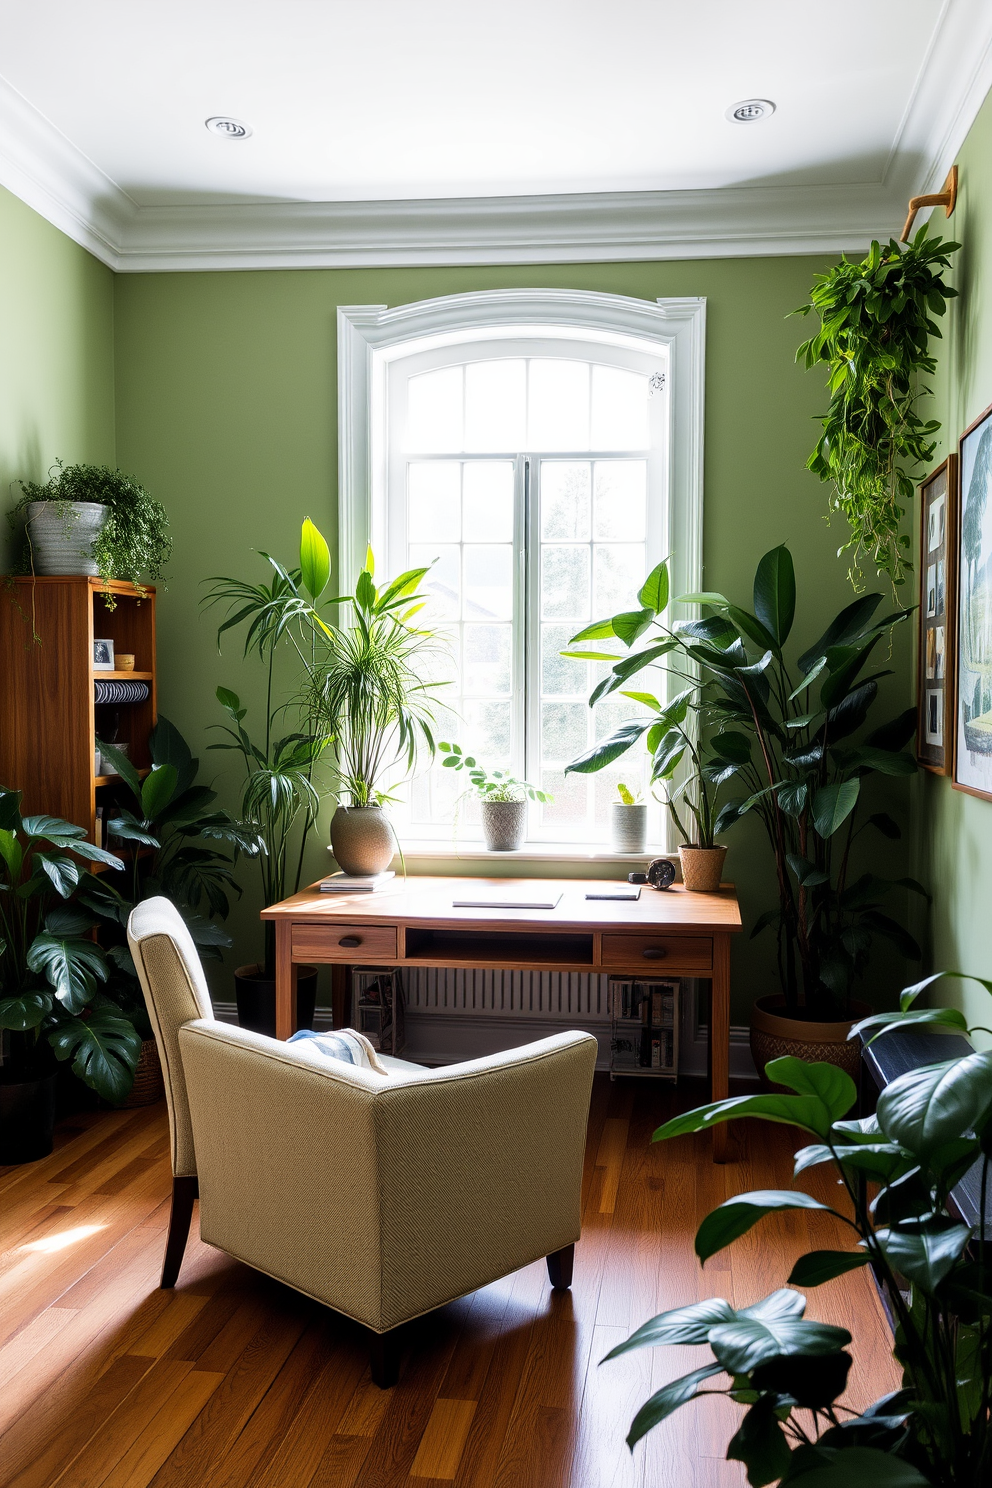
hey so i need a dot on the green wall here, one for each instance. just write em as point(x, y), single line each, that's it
point(226, 403)
point(956, 829)
point(56, 353)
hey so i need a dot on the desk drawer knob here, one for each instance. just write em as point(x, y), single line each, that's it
point(653, 953)
point(350, 940)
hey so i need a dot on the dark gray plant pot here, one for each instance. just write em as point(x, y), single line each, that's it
point(256, 999)
point(62, 542)
point(27, 1119)
point(504, 824)
point(362, 839)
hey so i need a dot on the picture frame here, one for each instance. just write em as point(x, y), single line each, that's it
point(972, 768)
point(936, 618)
point(103, 656)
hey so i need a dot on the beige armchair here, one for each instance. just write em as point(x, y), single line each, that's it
point(383, 1196)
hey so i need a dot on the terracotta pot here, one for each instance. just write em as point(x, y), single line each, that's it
point(504, 823)
point(149, 1085)
point(628, 827)
point(362, 839)
point(773, 1034)
point(702, 867)
point(63, 544)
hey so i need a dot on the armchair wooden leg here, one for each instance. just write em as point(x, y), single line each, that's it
point(384, 1358)
point(560, 1264)
point(184, 1191)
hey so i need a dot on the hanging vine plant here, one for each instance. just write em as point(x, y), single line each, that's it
point(876, 322)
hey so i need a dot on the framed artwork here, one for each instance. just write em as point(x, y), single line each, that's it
point(936, 615)
point(973, 711)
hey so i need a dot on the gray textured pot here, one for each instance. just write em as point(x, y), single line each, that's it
point(62, 543)
point(628, 827)
point(362, 839)
point(503, 823)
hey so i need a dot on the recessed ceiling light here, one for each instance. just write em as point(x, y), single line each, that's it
point(750, 110)
point(228, 128)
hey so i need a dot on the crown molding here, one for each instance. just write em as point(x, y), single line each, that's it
point(44, 169)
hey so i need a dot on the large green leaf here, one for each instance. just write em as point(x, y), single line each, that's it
point(775, 593)
point(26, 1011)
point(833, 804)
point(733, 746)
point(830, 1085)
point(931, 1105)
point(609, 749)
point(852, 1467)
point(806, 1112)
point(53, 828)
point(167, 746)
point(158, 790)
point(668, 1399)
point(315, 559)
point(690, 1324)
point(746, 1342)
point(632, 624)
point(879, 1023)
point(63, 871)
point(925, 1251)
point(819, 1266)
point(70, 966)
point(813, 1381)
point(123, 766)
point(104, 1048)
point(850, 625)
point(11, 852)
point(760, 1443)
point(736, 1216)
point(10, 810)
point(653, 593)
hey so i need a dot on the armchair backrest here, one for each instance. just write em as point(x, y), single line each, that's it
point(175, 992)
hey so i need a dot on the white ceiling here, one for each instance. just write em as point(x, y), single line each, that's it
point(379, 102)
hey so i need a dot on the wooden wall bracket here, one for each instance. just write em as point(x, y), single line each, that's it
point(946, 197)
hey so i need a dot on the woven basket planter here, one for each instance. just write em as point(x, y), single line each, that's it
point(148, 1084)
point(774, 1035)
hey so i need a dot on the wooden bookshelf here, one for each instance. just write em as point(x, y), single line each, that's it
point(49, 720)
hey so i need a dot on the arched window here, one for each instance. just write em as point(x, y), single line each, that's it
point(536, 467)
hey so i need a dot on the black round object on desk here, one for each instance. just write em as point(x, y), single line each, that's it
point(661, 873)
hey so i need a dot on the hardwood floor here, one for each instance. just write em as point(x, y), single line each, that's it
point(235, 1381)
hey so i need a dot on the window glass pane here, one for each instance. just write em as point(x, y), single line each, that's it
point(443, 583)
point(563, 731)
point(619, 409)
point(434, 512)
point(620, 499)
point(488, 577)
point(618, 573)
point(559, 676)
point(486, 666)
point(488, 501)
point(495, 406)
point(434, 411)
point(565, 582)
point(558, 405)
point(569, 808)
point(486, 732)
point(565, 499)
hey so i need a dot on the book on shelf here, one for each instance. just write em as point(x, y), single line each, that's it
point(347, 883)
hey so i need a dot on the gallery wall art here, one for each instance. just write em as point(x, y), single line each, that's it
point(936, 615)
point(973, 721)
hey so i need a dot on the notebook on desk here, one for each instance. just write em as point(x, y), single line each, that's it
point(510, 901)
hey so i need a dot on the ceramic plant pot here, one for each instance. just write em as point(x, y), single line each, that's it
point(256, 998)
point(62, 541)
point(702, 867)
point(362, 839)
point(27, 1119)
point(774, 1034)
point(504, 824)
point(628, 828)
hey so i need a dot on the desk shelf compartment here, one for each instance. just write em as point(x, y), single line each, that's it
point(378, 1006)
point(644, 1027)
point(470, 948)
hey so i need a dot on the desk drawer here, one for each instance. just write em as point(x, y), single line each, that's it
point(340, 942)
point(685, 954)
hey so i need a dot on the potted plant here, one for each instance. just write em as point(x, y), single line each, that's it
point(932, 1125)
point(89, 519)
point(628, 821)
point(503, 799)
point(876, 321)
point(51, 1006)
point(785, 731)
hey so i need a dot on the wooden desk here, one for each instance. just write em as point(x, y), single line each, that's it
point(673, 933)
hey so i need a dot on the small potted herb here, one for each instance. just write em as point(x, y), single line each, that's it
point(628, 821)
point(503, 799)
point(89, 519)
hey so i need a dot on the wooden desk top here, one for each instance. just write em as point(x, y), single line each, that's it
point(417, 900)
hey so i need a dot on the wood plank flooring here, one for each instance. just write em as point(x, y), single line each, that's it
point(235, 1381)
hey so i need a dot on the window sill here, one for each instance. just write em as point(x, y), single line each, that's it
point(546, 854)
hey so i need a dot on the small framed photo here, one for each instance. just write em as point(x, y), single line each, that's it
point(973, 645)
point(103, 656)
point(938, 505)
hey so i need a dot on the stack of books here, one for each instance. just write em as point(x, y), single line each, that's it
point(346, 883)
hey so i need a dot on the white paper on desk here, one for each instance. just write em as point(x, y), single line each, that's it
point(506, 903)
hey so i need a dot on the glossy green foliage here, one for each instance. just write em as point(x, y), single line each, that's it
point(876, 321)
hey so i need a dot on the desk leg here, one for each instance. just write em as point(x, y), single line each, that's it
point(339, 995)
point(285, 981)
point(720, 1037)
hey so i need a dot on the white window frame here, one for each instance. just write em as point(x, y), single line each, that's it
point(370, 337)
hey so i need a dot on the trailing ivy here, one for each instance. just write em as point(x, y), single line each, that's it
point(135, 542)
point(876, 321)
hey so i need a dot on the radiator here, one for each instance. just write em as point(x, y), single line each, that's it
point(546, 995)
